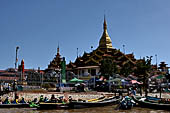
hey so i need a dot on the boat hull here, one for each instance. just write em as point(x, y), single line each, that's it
point(153, 105)
point(105, 102)
point(53, 106)
point(14, 105)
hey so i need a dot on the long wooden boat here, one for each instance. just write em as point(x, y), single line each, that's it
point(96, 103)
point(25, 105)
point(154, 104)
point(50, 105)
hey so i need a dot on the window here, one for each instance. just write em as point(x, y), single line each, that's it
point(88, 70)
point(82, 72)
point(93, 72)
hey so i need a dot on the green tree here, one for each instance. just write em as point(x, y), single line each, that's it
point(143, 69)
point(126, 69)
point(108, 67)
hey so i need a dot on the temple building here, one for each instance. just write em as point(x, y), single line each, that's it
point(55, 63)
point(56, 69)
point(88, 64)
point(52, 73)
point(163, 67)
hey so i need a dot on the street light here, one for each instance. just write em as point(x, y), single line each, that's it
point(91, 48)
point(156, 60)
point(124, 49)
point(41, 75)
point(77, 52)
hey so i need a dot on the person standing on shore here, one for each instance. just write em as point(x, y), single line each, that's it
point(133, 91)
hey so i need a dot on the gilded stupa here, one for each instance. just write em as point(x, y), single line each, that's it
point(105, 41)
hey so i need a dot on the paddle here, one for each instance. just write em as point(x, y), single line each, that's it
point(118, 106)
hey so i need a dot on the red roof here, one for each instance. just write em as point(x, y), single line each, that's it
point(8, 78)
point(2, 70)
point(41, 71)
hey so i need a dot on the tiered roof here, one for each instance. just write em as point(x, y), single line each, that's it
point(55, 63)
point(104, 49)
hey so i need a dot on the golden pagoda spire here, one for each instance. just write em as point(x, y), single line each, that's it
point(105, 41)
point(105, 25)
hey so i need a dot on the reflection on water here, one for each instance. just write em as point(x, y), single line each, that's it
point(108, 109)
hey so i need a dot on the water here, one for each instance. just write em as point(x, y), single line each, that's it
point(107, 109)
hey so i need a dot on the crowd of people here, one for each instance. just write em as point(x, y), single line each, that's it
point(53, 99)
point(15, 101)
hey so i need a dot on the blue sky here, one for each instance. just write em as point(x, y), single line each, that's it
point(37, 26)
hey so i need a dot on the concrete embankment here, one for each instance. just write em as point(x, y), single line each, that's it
point(29, 96)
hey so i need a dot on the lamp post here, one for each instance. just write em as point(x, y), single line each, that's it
point(160, 94)
point(16, 60)
point(124, 49)
point(156, 60)
point(77, 52)
point(91, 48)
point(41, 75)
